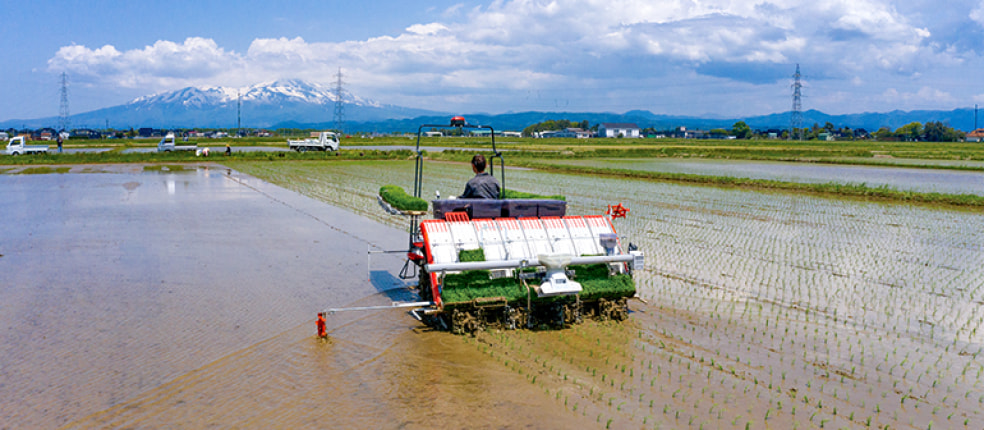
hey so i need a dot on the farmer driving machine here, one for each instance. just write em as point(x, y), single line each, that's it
point(514, 262)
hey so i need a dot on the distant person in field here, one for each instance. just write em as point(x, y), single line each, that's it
point(483, 185)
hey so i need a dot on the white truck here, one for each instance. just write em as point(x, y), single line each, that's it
point(326, 141)
point(17, 146)
point(167, 145)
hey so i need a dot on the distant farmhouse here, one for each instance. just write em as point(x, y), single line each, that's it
point(975, 136)
point(578, 133)
point(618, 129)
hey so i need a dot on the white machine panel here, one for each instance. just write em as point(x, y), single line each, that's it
point(490, 239)
point(439, 240)
point(516, 239)
point(585, 242)
point(599, 225)
point(516, 245)
point(463, 233)
point(536, 236)
point(560, 237)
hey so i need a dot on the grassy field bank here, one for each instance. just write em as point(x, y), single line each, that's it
point(538, 153)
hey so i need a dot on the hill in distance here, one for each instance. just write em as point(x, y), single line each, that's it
point(293, 103)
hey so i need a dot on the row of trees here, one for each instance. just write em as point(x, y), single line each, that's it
point(561, 124)
point(915, 132)
point(933, 131)
point(930, 132)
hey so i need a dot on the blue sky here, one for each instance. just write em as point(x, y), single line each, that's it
point(725, 58)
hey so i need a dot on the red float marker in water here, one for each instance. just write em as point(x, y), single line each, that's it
point(322, 332)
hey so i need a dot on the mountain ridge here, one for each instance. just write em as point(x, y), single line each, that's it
point(294, 103)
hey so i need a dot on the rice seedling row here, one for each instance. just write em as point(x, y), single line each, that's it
point(764, 310)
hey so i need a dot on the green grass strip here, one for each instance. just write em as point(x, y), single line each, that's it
point(885, 193)
point(513, 194)
point(117, 156)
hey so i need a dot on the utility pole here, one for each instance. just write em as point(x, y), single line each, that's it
point(239, 114)
point(339, 105)
point(63, 109)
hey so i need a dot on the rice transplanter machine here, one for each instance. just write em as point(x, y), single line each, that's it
point(514, 262)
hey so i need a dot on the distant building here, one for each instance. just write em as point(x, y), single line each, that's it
point(616, 129)
point(577, 133)
point(45, 134)
point(86, 133)
point(511, 134)
point(975, 136)
point(683, 133)
point(150, 132)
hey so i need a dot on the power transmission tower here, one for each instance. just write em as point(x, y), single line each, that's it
point(796, 116)
point(239, 114)
point(339, 105)
point(63, 109)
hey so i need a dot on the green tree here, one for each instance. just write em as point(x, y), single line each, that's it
point(883, 134)
point(910, 132)
point(553, 125)
point(939, 132)
point(741, 130)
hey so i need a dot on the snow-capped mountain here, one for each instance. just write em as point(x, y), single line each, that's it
point(267, 93)
point(282, 103)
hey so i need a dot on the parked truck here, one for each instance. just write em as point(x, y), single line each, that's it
point(17, 146)
point(326, 141)
point(167, 145)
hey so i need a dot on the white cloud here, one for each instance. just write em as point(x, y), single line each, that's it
point(163, 64)
point(426, 29)
point(977, 14)
point(531, 45)
point(924, 96)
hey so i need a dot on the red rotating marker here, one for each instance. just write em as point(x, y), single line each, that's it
point(617, 211)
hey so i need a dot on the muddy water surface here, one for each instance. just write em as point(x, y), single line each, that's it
point(185, 297)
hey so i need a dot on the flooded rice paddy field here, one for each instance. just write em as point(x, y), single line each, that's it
point(900, 178)
point(184, 297)
point(763, 310)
